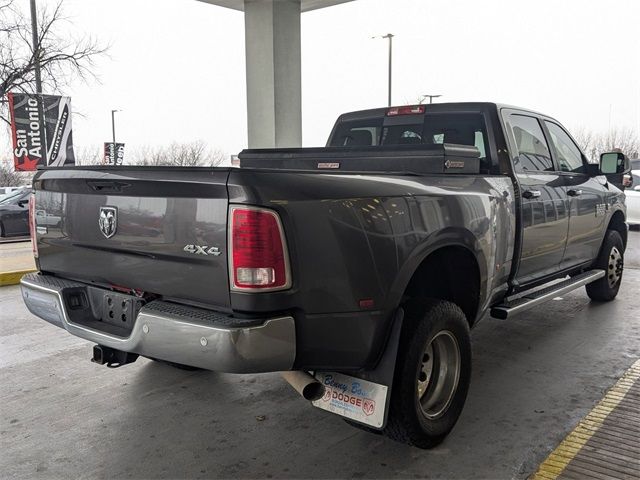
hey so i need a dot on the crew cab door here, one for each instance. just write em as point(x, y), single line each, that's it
point(586, 194)
point(544, 215)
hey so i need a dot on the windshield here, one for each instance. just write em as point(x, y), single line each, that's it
point(11, 197)
point(635, 164)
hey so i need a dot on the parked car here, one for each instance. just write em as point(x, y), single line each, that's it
point(633, 195)
point(14, 213)
point(6, 190)
point(358, 268)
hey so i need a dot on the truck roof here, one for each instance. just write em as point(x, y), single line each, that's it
point(437, 107)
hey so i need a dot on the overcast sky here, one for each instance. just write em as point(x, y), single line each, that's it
point(176, 67)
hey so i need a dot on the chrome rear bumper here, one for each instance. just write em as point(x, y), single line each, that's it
point(176, 333)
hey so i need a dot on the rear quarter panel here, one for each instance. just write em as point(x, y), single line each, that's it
point(355, 237)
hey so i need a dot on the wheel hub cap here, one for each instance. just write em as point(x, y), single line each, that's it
point(614, 267)
point(438, 374)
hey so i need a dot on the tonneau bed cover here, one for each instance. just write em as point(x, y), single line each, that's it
point(405, 159)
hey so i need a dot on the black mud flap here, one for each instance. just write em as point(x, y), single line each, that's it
point(364, 397)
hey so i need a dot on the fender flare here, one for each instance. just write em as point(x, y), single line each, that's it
point(447, 237)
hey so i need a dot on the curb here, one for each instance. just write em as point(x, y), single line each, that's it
point(577, 457)
point(13, 278)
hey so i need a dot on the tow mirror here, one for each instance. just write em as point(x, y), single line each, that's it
point(613, 163)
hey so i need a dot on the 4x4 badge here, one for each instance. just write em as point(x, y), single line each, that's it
point(108, 221)
point(202, 250)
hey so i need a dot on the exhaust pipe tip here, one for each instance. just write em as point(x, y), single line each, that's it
point(314, 391)
point(307, 386)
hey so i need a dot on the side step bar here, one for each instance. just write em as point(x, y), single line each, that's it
point(526, 301)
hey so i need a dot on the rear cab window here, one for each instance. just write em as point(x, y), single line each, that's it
point(426, 129)
point(357, 133)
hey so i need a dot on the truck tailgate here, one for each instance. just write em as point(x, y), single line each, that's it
point(161, 230)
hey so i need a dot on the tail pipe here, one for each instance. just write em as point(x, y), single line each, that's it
point(306, 385)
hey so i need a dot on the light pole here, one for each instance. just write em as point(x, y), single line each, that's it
point(38, 77)
point(36, 47)
point(113, 126)
point(430, 97)
point(389, 36)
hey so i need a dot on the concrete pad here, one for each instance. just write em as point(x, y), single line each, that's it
point(534, 378)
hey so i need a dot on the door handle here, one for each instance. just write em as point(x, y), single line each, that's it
point(574, 193)
point(531, 193)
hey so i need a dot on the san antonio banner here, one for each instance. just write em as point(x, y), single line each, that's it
point(34, 145)
point(113, 153)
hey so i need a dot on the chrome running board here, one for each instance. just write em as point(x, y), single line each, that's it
point(524, 301)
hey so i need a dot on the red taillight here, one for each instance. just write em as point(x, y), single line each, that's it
point(32, 225)
point(408, 110)
point(257, 250)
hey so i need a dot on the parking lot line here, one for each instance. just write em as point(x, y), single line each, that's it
point(606, 443)
point(13, 278)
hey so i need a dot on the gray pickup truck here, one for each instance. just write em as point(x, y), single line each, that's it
point(356, 269)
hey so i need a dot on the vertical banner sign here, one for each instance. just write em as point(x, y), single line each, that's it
point(38, 141)
point(27, 133)
point(113, 153)
point(57, 115)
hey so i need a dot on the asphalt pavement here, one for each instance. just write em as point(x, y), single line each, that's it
point(534, 377)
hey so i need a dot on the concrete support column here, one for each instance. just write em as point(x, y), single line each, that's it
point(274, 100)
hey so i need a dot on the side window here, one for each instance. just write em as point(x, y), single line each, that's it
point(567, 153)
point(533, 152)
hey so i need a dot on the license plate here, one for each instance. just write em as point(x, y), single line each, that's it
point(353, 398)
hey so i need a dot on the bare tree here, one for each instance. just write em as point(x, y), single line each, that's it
point(190, 154)
point(62, 58)
point(89, 155)
point(10, 178)
point(593, 143)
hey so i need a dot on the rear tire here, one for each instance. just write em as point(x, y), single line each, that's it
point(611, 260)
point(432, 373)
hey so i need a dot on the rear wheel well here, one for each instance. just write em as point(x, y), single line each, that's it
point(449, 273)
point(617, 223)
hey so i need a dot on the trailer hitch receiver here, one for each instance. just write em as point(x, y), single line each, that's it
point(111, 357)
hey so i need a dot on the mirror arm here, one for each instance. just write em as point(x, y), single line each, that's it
point(593, 169)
